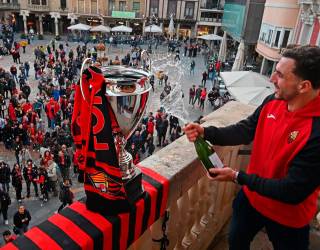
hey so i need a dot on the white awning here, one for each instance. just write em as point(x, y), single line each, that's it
point(79, 26)
point(101, 28)
point(247, 87)
point(122, 28)
point(210, 37)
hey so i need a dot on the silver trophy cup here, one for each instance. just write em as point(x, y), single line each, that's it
point(128, 92)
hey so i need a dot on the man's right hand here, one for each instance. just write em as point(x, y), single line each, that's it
point(193, 130)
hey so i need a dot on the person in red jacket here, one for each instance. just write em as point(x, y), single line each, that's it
point(52, 109)
point(12, 112)
point(150, 126)
point(280, 187)
point(218, 67)
point(26, 107)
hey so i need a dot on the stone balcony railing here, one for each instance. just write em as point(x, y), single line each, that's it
point(9, 6)
point(39, 8)
point(198, 208)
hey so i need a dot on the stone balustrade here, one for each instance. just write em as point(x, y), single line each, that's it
point(9, 6)
point(198, 208)
point(34, 7)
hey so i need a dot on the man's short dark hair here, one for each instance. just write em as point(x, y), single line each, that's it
point(307, 60)
point(6, 233)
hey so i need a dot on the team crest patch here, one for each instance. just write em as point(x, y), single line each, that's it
point(292, 136)
point(99, 181)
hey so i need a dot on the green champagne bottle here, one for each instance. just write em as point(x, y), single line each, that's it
point(206, 154)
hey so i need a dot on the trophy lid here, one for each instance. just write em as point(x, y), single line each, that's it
point(128, 91)
point(122, 81)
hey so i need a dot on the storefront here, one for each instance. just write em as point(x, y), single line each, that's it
point(205, 30)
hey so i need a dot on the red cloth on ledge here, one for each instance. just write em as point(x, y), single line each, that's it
point(78, 228)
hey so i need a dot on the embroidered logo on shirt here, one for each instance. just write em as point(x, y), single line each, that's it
point(271, 116)
point(292, 136)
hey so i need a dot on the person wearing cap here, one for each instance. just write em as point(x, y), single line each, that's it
point(280, 187)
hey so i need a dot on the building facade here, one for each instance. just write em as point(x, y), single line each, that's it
point(209, 17)
point(242, 21)
point(54, 16)
point(185, 14)
point(308, 25)
point(277, 31)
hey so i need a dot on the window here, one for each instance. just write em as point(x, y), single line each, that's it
point(94, 6)
point(63, 4)
point(38, 2)
point(188, 12)
point(263, 32)
point(111, 7)
point(270, 33)
point(285, 38)
point(122, 5)
point(277, 38)
point(154, 7)
point(136, 6)
point(172, 8)
point(81, 6)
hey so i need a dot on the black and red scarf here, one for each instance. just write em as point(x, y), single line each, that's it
point(76, 227)
point(93, 125)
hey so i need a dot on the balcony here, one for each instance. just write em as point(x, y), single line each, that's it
point(9, 6)
point(207, 19)
point(211, 6)
point(38, 8)
point(305, 1)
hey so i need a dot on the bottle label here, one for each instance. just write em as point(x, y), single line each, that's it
point(215, 160)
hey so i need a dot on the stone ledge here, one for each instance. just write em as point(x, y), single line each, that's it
point(178, 161)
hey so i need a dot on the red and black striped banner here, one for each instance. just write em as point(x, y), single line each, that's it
point(78, 228)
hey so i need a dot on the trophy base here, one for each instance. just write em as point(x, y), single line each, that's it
point(134, 191)
point(133, 187)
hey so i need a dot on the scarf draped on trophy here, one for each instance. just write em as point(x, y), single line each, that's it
point(93, 126)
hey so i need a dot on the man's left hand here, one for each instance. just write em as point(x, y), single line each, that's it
point(222, 174)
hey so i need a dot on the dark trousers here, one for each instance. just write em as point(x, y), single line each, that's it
point(4, 212)
point(5, 186)
point(35, 185)
point(203, 82)
point(64, 203)
point(18, 188)
point(247, 222)
point(197, 98)
point(65, 172)
point(191, 99)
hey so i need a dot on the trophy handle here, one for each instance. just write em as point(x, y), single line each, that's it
point(81, 72)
